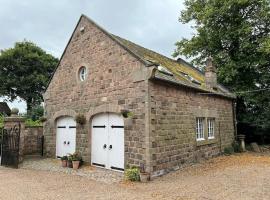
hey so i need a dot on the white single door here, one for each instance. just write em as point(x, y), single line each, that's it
point(99, 140)
point(108, 141)
point(65, 136)
point(116, 142)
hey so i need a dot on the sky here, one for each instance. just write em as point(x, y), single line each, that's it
point(49, 23)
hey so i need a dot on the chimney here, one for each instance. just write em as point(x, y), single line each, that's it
point(210, 74)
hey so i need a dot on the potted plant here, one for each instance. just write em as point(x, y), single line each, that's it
point(144, 176)
point(69, 161)
point(80, 119)
point(76, 159)
point(64, 161)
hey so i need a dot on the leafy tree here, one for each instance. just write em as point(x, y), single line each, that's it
point(236, 33)
point(35, 113)
point(25, 70)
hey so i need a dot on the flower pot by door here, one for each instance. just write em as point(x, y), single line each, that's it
point(76, 164)
point(69, 164)
point(64, 163)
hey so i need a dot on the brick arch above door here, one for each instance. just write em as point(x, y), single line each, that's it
point(62, 113)
point(107, 108)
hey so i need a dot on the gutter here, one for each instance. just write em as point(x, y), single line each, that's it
point(206, 92)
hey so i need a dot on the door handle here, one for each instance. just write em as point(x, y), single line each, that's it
point(65, 142)
point(104, 146)
point(110, 147)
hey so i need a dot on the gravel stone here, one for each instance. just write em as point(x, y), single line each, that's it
point(91, 172)
point(241, 176)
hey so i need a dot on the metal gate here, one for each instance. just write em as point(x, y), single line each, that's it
point(10, 144)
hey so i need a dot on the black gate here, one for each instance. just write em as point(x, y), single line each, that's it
point(10, 144)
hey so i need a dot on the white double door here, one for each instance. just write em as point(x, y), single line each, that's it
point(65, 136)
point(107, 149)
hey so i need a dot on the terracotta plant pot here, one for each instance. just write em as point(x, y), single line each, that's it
point(76, 164)
point(144, 177)
point(64, 163)
point(69, 164)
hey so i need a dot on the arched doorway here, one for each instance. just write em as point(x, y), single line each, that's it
point(65, 136)
point(107, 149)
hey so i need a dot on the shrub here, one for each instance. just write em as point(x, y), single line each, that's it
point(30, 122)
point(1, 121)
point(236, 147)
point(228, 150)
point(132, 174)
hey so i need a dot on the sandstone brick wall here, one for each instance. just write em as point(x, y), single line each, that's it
point(161, 133)
point(109, 87)
point(32, 140)
point(173, 126)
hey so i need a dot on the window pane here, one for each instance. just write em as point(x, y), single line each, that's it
point(210, 128)
point(199, 128)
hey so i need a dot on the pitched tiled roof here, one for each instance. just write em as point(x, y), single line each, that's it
point(183, 73)
point(180, 72)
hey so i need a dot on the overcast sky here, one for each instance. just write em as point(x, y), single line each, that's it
point(49, 23)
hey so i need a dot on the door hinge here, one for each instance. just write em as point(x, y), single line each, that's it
point(99, 126)
point(117, 126)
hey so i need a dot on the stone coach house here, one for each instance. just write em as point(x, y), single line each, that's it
point(141, 108)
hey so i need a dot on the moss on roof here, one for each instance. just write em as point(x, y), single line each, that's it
point(183, 72)
point(173, 65)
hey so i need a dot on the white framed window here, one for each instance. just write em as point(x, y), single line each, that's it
point(82, 73)
point(211, 128)
point(199, 128)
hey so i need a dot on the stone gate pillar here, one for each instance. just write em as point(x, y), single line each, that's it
point(10, 122)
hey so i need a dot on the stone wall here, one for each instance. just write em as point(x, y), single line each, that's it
point(33, 140)
point(173, 126)
point(110, 86)
point(16, 122)
point(161, 133)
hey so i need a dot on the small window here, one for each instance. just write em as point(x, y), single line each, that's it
point(82, 73)
point(199, 128)
point(211, 124)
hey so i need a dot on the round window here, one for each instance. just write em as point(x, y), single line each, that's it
point(82, 73)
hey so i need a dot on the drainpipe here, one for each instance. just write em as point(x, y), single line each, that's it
point(149, 73)
point(234, 118)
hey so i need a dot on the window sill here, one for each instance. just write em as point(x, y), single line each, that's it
point(200, 139)
point(206, 142)
point(211, 138)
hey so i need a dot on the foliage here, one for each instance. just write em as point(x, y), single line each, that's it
point(228, 150)
point(75, 157)
point(1, 121)
point(25, 71)
point(30, 122)
point(80, 119)
point(69, 156)
point(127, 114)
point(42, 119)
point(35, 113)
point(64, 158)
point(132, 174)
point(236, 147)
point(236, 33)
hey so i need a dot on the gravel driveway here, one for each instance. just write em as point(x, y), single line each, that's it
point(244, 176)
